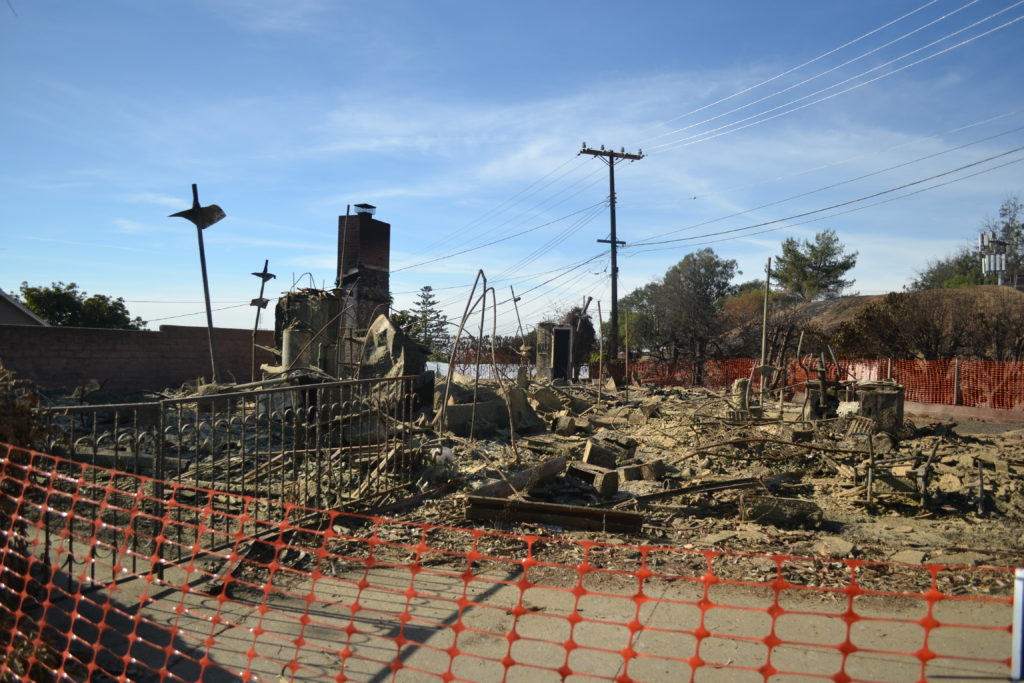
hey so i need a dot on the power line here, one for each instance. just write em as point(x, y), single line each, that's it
point(497, 209)
point(565, 234)
point(841, 204)
point(750, 120)
point(841, 213)
point(164, 301)
point(497, 241)
point(798, 67)
point(857, 156)
point(832, 69)
point(840, 183)
point(186, 315)
point(558, 273)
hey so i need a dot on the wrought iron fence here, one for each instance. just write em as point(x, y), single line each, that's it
point(325, 446)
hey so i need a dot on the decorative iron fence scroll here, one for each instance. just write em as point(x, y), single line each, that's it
point(324, 446)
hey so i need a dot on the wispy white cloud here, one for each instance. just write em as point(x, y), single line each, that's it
point(157, 200)
point(130, 227)
point(293, 16)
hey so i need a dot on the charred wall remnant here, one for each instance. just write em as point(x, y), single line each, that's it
point(554, 351)
point(307, 327)
point(325, 327)
point(126, 361)
point(883, 402)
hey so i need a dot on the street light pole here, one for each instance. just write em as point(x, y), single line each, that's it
point(203, 217)
point(260, 303)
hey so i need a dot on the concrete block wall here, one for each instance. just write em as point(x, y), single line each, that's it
point(127, 361)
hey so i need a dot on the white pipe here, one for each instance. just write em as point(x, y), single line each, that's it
point(1017, 637)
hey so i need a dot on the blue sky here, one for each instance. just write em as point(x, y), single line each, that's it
point(461, 121)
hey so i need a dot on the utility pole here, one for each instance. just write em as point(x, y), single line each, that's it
point(611, 158)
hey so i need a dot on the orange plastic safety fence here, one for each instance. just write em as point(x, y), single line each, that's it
point(988, 384)
point(110, 576)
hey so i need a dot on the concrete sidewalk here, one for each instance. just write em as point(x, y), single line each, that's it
point(392, 623)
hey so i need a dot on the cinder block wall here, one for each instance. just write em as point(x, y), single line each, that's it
point(128, 361)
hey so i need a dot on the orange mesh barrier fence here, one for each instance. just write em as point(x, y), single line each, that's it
point(992, 384)
point(986, 384)
point(111, 576)
point(717, 374)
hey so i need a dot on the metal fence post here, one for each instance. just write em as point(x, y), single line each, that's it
point(957, 393)
point(158, 492)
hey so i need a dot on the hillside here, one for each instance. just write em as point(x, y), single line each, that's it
point(984, 322)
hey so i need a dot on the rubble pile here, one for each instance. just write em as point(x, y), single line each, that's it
point(18, 399)
point(684, 466)
point(689, 468)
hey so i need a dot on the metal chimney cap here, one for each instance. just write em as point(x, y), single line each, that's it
point(365, 208)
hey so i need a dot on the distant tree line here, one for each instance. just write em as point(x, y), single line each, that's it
point(695, 312)
point(64, 305)
point(963, 267)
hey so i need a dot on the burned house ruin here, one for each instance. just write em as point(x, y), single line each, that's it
point(325, 328)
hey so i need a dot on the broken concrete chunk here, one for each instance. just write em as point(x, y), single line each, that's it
point(630, 472)
point(624, 446)
point(961, 559)
point(546, 400)
point(800, 435)
point(605, 481)
point(834, 546)
point(782, 512)
point(652, 470)
point(596, 453)
point(487, 416)
point(565, 426)
point(636, 417)
point(389, 353)
point(460, 390)
point(523, 416)
point(883, 443)
point(739, 393)
point(908, 557)
point(715, 539)
point(584, 425)
point(523, 481)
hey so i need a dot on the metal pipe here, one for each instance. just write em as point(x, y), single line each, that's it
point(206, 295)
point(764, 331)
point(600, 353)
point(871, 469)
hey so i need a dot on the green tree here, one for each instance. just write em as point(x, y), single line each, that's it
point(647, 330)
point(681, 316)
point(431, 326)
point(693, 293)
point(963, 269)
point(814, 270)
point(64, 305)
